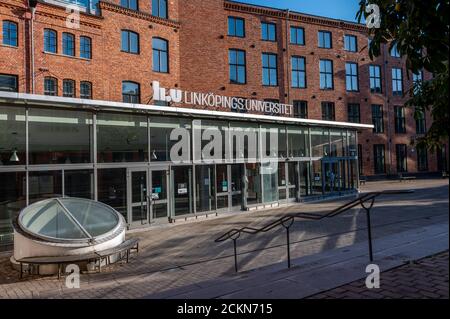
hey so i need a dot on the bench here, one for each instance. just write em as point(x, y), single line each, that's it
point(362, 180)
point(126, 246)
point(406, 178)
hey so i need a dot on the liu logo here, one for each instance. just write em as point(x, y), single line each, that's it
point(160, 94)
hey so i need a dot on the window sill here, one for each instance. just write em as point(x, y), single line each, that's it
point(67, 56)
point(9, 46)
point(134, 53)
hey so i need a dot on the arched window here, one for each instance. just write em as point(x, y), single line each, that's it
point(159, 8)
point(50, 41)
point(68, 88)
point(50, 86)
point(85, 47)
point(130, 92)
point(10, 33)
point(130, 41)
point(160, 55)
point(68, 44)
point(85, 90)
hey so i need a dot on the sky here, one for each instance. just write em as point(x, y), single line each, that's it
point(337, 9)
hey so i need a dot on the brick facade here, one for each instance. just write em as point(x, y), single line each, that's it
point(196, 31)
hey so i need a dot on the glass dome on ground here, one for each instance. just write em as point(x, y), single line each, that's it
point(65, 219)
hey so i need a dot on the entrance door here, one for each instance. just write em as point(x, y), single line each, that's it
point(159, 200)
point(137, 185)
point(331, 176)
point(222, 187)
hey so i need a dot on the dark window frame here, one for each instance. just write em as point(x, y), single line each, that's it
point(269, 68)
point(68, 45)
point(298, 72)
point(347, 40)
point(296, 29)
point(354, 117)
point(12, 35)
point(236, 66)
point(82, 93)
point(65, 83)
point(379, 158)
point(328, 111)
point(327, 74)
point(300, 109)
point(376, 79)
point(128, 32)
point(47, 40)
point(157, 13)
point(378, 118)
point(161, 53)
point(421, 123)
point(401, 154)
point(400, 119)
point(83, 46)
point(130, 96)
point(234, 20)
point(422, 159)
point(397, 82)
point(321, 37)
point(47, 80)
point(350, 76)
point(128, 4)
point(16, 80)
point(268, 26)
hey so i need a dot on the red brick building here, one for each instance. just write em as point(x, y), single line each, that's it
point(198, 39)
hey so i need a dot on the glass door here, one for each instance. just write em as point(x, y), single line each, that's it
point(137, 185)
point(222, 187)
point(237, 185)
point(182, 190)
point(159, 200)
point(205, 193)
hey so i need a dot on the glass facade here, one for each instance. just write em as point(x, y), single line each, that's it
point(192, 166)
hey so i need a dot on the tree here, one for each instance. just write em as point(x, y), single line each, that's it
point(420, 30)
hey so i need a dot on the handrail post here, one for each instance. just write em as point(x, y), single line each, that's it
point(235, 255)
point(288, 247)
point(369, 226)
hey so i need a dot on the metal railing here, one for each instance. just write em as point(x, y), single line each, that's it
point(366, 201)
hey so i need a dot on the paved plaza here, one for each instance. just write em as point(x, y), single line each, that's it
point(182, 260)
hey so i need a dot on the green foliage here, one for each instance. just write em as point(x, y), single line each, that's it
point(420, 29)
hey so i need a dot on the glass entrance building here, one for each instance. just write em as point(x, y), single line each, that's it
point(153, 163)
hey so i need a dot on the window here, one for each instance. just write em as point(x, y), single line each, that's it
point(159, 8)
point(377, 118)
point(378, 155)
point(301, 109)
point(350, 43)
point(417, 81)
point(50, 86)
point(236, 27)
point(375, 78)
point(422, 159)
point(394, 51)
point(326, 75)
point(8, 83)
point(160, 55)
point(354, 113)
point(68, 44)
point(397, 81)
point(236, 60)
point(85, 47)
point(297, 36)
point(269, 31)
point(270, 76)
point(298, 65)
point(10, 33)
point(401, 155)
point(85, 90)
point(400, 120)
point(130, 92)
point(328, 111)
point(129, 4)
point(130, 41)
point(325, 39)
point(50, 41)
point(67, 135)
point(421, 127)
point(68, 88)
point(360, 160)
point(351, 77)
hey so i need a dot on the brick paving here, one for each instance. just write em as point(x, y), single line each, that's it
point(423, 279)
point(185, 253)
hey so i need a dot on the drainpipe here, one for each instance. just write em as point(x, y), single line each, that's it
point(32, 6)
point(288, 59)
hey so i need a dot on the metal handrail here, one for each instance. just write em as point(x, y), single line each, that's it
point(288, 220)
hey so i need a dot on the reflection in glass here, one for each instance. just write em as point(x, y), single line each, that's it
point(305, 178)
point(207, 132)
point(298, 142)
point(275, 151)
point(160, 143)
point(67, 135)
point(111, 188)
point(253, 183)
point(122, 138)
point(320, 142)
point(338, 141)
point(79, 183)
point(236, 185)
point(43, 185)
point(182, 190)
point(244, 141)
point(12, 135)
point(12, 200)
point(204, 188)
